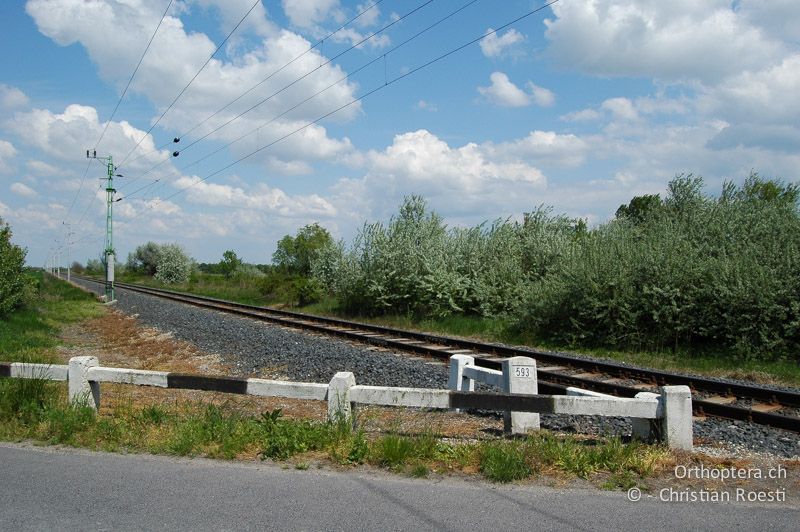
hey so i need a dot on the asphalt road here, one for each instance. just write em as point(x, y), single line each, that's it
point(47, 489)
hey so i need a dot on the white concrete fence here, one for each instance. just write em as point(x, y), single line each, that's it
point(666, 416)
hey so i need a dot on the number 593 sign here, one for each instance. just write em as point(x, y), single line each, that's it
point(523, 372)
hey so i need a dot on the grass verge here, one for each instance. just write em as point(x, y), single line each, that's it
point(30, 334)
point(221, 431)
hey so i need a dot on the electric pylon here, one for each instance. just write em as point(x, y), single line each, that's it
point(109, 249)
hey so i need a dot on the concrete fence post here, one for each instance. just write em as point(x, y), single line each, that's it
point(457, 382)
point(519, 376)
point(81, 390)
point(676, 423)
point(339, 407)
point(644, 429)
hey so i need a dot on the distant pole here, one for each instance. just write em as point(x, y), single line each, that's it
point(69, 253)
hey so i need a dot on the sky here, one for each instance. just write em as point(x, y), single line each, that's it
point(332, 111)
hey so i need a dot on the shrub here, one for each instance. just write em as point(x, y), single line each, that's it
point(174, 265)
point(14, 287)
point(688, 271)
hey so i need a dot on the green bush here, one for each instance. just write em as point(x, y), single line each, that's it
point(690, 271)
point(716, 273)
point(14, 286)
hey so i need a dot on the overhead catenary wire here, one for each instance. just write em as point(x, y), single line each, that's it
point(163, 114)
point(299, 104)
point(116, 107)
point(353, 101)
point(285, 87)
point(273, 73)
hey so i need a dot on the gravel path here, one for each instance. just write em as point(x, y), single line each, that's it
point(256, 347)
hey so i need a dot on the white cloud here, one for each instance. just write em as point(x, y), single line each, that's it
point(780, 18)
point(471, 180)
point(369, 17)
point(422, 105)
point(7, 152)
point(541, 96)
point(767, 95)
point(584, 115)
point(23, 190)
point(546, 148)
point(232, 11)
point(783, 138)
point(311, 13)
point(11, 97)
point(315, 16)
point(620, 108)
point(674, 41)
point(505, 93)
point(42, 168)
point(67, 135)
point(263, 198)
point(176, 55)
point(496, 45)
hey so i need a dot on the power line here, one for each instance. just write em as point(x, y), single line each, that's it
point(116, 107)
point(135, 70)
point(297, 80)
point(356, 71)
point(190, 81)
point(248, 91)
point(355, 100)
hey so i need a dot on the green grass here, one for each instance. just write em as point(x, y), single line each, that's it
point(505, 461)
point(29, 334)
point(221, 431)
point(212, 285)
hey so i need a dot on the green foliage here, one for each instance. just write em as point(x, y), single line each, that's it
point(167, 263)
point(25, 400)
point(296, 254)
point(144, 259)
point(15, 288)
point(640, 208)
point(306, 291)
point(504, 462)
point(686, 272)
point(284, 438)
point(416, 265)
point(95, 267)
point(229, 263)
point(700, 272)
point(393, 450)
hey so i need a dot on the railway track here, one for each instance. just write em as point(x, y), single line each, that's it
point(766, 406)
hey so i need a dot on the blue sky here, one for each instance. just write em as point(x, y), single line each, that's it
point(579, 106)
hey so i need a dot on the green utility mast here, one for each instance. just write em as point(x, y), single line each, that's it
point(109, 250)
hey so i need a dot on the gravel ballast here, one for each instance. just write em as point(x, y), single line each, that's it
point(259, 348)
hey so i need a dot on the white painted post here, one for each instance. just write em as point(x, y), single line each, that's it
point(519, 376)
point(643, 427)
point(339, 407)
point(81, 389)
point(457, 381)
point(676, 423)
